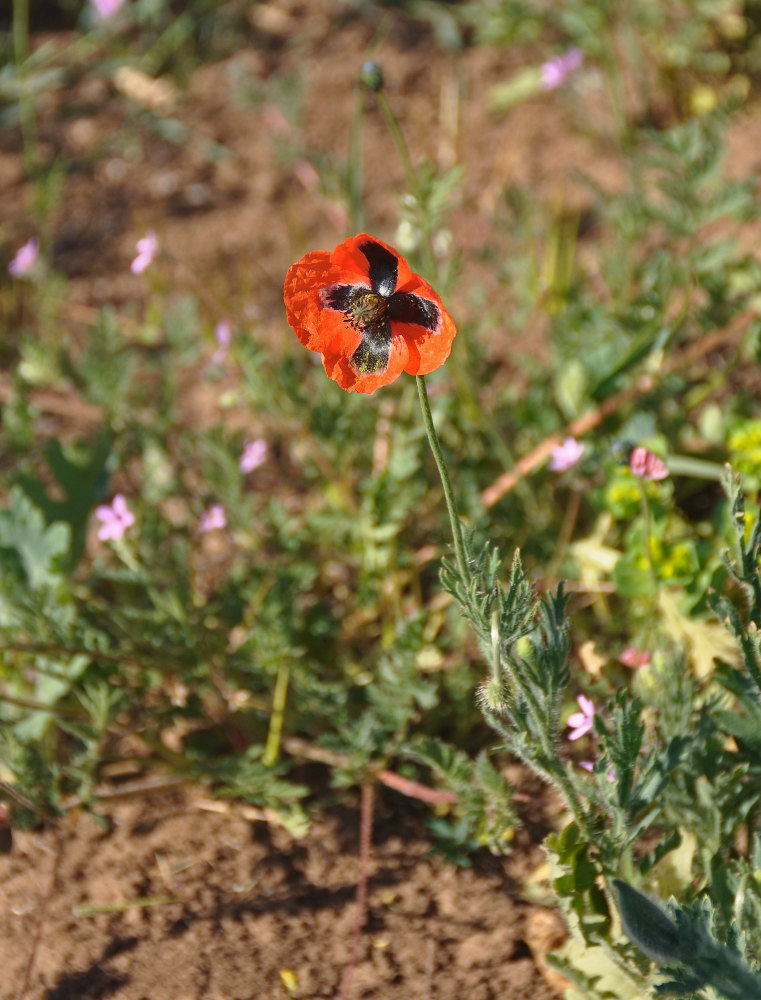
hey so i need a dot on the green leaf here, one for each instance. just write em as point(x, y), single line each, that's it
point(23, 529)
point(646, 924)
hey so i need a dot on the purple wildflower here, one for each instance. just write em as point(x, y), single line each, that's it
point(25, 258)
point(581, 722)
point(104, 9)
point(252, 456)
point(556, 70)
point(114, 519)
point(147, 248)
point(223, 336)
point(588, 765)
point(566, 455)
point(213, 518)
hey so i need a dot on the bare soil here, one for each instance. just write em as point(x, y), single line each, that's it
point(174, 897)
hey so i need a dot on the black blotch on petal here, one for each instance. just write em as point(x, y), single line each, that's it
point(384, 267)
point(408, 308)
point(337, 297)
point(372, 355)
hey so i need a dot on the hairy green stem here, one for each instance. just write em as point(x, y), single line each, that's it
point(412, 178)
point(648, 537)
point(567, 785)
point(433, 440)
point(354, 179)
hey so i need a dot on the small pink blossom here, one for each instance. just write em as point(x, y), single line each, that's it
point(223, 337)
point(147, 247)
point(25, 259)
point(306, 173)
point(645, 464)
point(556, 70)
point(213, 518)
point(633, 657)
point(252, 456)
point(588, 765)
point(566, 455)
point(336, 214)
point(114, 519)
point(581, 722)
point(275, 120)
point(107, 8)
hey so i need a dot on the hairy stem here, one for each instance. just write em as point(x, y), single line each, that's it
point(433, 440)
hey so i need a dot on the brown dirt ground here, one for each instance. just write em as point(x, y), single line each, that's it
point(248, 902)
point(240, 904)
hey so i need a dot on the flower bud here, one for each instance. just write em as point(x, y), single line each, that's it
point(371, 76)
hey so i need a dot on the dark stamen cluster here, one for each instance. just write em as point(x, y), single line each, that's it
point(371, 311)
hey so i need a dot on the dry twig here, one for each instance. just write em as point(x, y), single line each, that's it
point(593, 418)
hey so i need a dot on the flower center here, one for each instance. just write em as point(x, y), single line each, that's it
point(366, 309)
point(371, 310)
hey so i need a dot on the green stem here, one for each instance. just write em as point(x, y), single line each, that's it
point(279, 697)
point(25, 101)
point(648, 539)
point(354, 180)
point(463, 378)
point(20, 32)
point(401, 144)
point(567, 786)
point(38, 706)
point(433, 440)
point(413, 180)
point(686, 465)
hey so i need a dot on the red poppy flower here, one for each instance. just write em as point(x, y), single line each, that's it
point(367, 314)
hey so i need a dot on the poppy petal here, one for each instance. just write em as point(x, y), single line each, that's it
point(350, 257)
point(317, 328)
point(340, 370)
point(427, 349)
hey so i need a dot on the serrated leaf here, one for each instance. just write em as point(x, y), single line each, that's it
point(23, 529)
point(49, 690)
point(599, 970)
point(746, 730)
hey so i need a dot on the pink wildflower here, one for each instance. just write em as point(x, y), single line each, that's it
point(275, 120)
point(646, 464)
point(336, 214)
point(25, 259)
point(306, 173)
point(581, 722)
point(213, 518)
point(107, 8)
point(566, 455)
point(114, 519)
point(147, 247)
point(588, 765)
point(556, 70)
point(223, 337)
point(252, 456)
point(633, 657)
